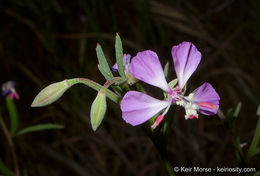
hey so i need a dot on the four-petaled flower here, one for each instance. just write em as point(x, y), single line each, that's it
point(138, 107)
point(8, 88)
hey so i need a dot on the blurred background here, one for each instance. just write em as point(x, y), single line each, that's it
point(46, 41)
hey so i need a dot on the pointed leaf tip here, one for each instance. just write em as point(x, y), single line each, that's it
point(119, 56)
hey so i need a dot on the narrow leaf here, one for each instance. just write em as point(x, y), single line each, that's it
point(166, 69)
point(39, 127)
point(5, 170)
point(13, 115)
point(104, 73)
point(119, 56)
point(98, 109)
point(237, 110)
point(102, 61)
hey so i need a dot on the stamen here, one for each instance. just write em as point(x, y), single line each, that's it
point(157, 121)
point(207, 105)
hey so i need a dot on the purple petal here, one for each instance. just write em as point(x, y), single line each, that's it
point(126, 61)
point(114, 68)
point(5, 91)
point(186, 58)
point(206, 95)
point(146, 66)
point(138, 107)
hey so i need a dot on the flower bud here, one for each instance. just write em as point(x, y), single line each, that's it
point(98, 109)
point(50, 94)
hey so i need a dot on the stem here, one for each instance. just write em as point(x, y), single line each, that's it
point(255, 141)
point(160, 140)
point(113, 80)
point(11, 144)
point(168, 167)
point(161, 146)
point(111, 95)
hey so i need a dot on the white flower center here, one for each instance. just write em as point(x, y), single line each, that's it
point(191, 108)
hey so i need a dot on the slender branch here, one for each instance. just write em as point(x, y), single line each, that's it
point(11, 144)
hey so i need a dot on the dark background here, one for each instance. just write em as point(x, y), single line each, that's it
point(46, 41)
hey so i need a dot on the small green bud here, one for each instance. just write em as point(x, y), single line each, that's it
point(98, 109)
point(50, 94)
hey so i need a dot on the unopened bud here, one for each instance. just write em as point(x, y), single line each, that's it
point(98, 109)
point(50, 94)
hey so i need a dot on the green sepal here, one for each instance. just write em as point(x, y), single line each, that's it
point(172, 85)
point(166, 69)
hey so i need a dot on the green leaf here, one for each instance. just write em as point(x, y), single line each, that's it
point(39, 127)
point(103, 62)
point(104, 73)
point(237, 110)
point(166, 69)
point(119, 56)
point(98, 109)
point(13, 115)
point(5, 170)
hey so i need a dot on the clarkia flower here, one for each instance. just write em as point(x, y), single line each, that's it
point(138, 107)
point(8, 89)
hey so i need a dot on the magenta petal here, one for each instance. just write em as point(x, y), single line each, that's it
point(207, 94)
point(186, 58)
point(146, 66)
point(138, 107)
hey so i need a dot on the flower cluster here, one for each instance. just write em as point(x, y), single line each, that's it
point(138, 107)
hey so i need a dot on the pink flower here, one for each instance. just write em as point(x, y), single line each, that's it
point(137, 107)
